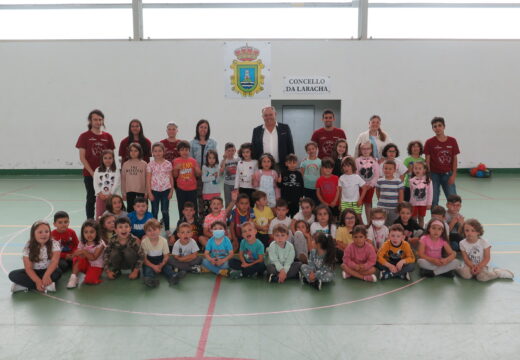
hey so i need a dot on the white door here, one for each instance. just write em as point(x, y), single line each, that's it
point(300, 119)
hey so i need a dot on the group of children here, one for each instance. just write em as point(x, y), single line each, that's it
point(268, 222)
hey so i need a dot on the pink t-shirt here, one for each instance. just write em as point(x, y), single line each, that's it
point(368, 169)
point(161, 173)
point(210, 218)
point(91, 249)
point(186, 180)
point(421, 193)
point(441, 154)
point(432, 248)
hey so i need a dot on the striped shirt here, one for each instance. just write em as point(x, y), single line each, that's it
point(389, 192)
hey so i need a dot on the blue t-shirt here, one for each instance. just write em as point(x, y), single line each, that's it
point(138, 224)
point(251, 251)
point(311, 172)
point(219, 251)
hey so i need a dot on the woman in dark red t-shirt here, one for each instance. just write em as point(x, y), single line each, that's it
point(135, 132)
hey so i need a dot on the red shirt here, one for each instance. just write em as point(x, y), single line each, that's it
point(326, 140)
point(170, 149)
point(186, 180)
point(68, 241)
point(94, 146)
point(123, 150)
point(441, 154)
point(328, 187)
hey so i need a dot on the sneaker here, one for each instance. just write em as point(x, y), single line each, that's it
point(224, 272)
point(303, 280)
point(51, 288)
point(384, 275)
point(426, 273)
point(174, 280)
point(18, 288)
point(235, 274)
point(449, 274)
point(316, 284)
point(406, 276)
point(370, 278)
point(273, 278)
point(504, 274)
point(196, 269)
point(181, 274)
point(73, 282)
point(150, 282)
point(345, 275)
point(204, 269)
point(156, 282)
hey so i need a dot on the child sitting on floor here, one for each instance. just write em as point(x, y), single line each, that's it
point(320, 267)
point(218, 251)
point(359, 257)
point(250, 260)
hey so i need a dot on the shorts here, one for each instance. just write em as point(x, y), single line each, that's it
point(419, 211)
point(351, 205)
point(368, 195)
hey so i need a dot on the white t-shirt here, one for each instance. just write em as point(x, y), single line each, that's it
point(45, 260)
point(350, 185)
point(316, 227)
point(180, 249)
point(160, 248)
point(475, 251)
point(287, 222)
point(299, 216)
point(400, 169)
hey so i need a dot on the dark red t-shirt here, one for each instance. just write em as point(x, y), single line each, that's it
point(326, 140)
point(94, 146)
point(170, 149)
point(441, 154)
point(328, 187)
point(68, 241)
point(125, 155)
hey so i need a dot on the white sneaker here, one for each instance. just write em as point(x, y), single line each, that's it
point(18, 288)
point(344, 275)
point(73, 282)
point(504, 274)
point(51, 288)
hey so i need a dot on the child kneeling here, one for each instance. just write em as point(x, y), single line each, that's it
point(281, 256)
point(123, 252)
point(218, 251)
point(251, 254)
point(359, 257)
point(395, 258)
point(320, 267)
point(476, 253)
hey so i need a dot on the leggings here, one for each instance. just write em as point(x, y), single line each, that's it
point(20, 277)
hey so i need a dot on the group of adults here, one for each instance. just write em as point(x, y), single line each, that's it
point(271, 137)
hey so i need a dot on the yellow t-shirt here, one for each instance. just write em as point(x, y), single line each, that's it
point(263, 217)
point(344, 236)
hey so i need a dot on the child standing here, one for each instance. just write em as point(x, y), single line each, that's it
point(241, 214)
point(421, 191)
point(265, 179)
point(67, 239)
point(359, 257)
point(115, 206)
point(348, 221)
point(320, 268)
point(171, 142)
point(291, 184)
point(218, 251)
point(455, 220)
point(156, 256)
point(415, 150)
point(41, 256)
point(390, 192)
point(339, 152)
point(377, 232)
point(395, 258)
point(228, 169)
point(391, 152)
point(106, 180)
point(250, 260)
point(327, 189)
point(476, 253)
point(310, 169)
point(353, 188)
point(139, 217)
point(210, 180)
point(263, 216)
point(412, 230)
point(123, 252)
point(368, 168)
point(185, 170)
point(190, 217)
point(159, 182)
point(133, 176)
point(185, 252)
point(281, 264)
point(431, 246)
point(88, 259)
point(246, 168)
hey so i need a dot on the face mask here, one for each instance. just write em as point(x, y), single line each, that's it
point(218, 233)
point(378, 223)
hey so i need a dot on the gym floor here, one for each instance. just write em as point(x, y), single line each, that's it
point(208, 317)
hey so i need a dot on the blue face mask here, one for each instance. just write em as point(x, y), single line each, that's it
point(218, 233)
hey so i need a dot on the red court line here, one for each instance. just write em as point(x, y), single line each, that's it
point(15, 190)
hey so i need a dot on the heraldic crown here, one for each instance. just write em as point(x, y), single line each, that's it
point(247, 53)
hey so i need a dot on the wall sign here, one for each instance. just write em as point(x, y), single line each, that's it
point(315, 85)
